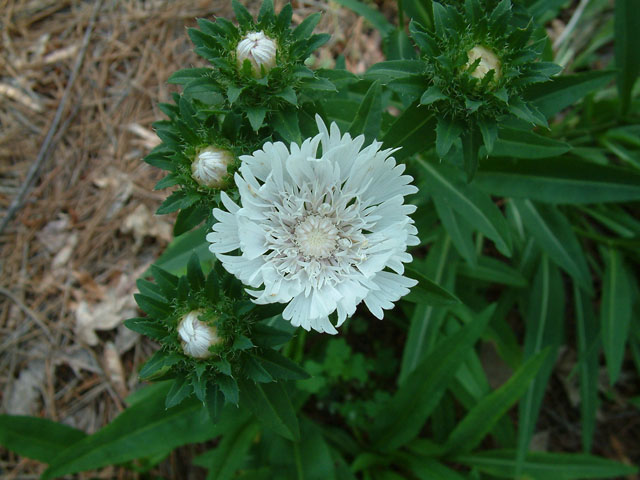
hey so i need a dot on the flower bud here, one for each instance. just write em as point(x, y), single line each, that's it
point(196, 336)
point(488, 61)
point(259, 49)
point(209, 168)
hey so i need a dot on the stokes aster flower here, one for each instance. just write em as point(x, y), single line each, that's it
point(321, 231)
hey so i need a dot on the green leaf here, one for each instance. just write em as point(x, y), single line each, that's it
point(159, 362)
point(471, 142)
point(242, 14)
point(369, 116)
point(229, 387)
point(459, 231)
point(152, 306)
point(468, 201)
point(168, 181)
point(190, 217)
point(447, 132)
point(414, 131)
point(397, 46)
point(542, 465)
point(483, 417)
point(288, 94)
point(36, 438)
point(280, 367)
point(144, 326)
point(176, 201)
point(402, 418)
point(375, 18)
point(388, 71)
point(516, 143)
point(266, 336)
point(492, 270)
point(306, 27)
point(256, 116)
point(271, 405)
point(314, 454)
point(426, 319)
point(432, 94)
point(427, 292)
point(175, 257)
point(553, 232)
point(543, 332)
point(563, 91)
point(180, 390)
point(286, 124)
point(526, 112)
point(214, 401)
point(229, 455)
point(141, 430)
point(559, 180)
point(233, 92)
point(588, 346)
point(185, 75)
point(627, 48)
point(431, 469)
point(615, 312)
point(489, 132)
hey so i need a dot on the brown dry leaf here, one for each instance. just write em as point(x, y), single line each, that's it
point(142, 223)
point(147, 137)
point(113, 368)
point(120, 184)
point(117, 305)
point(24, 394)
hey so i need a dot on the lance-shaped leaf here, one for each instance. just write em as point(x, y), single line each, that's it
point(472, 204)
point(615, 312)
point(544, 330)
point(554, 234)
point(143, 429)
point(483, 417)
point(402, 418)
point(627, 48)
point(543, 465)
point(588, 346)
point(36, 438)
point(559, 180)
point(270, 403)
point(369, 116)
point(414, 130)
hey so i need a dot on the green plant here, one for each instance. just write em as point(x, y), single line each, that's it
point(527, 242)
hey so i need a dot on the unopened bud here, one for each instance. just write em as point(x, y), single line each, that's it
point(488, 61)
point(209, 168)
point(196, 337)
point(260, 50)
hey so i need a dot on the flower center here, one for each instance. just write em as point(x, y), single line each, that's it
point(316, 236)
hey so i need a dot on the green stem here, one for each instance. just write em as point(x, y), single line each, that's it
point(296, 453)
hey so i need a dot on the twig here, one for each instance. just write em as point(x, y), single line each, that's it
point(45, 149)
point(30, 313)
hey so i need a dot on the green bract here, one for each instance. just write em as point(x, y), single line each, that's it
point(234, 106)
point(268, 98)
point(475, 67)
point(242, 349)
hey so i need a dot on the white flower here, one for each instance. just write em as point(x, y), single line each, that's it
point(488, 61)
point(259, 49)
point(196, 336)
point(210, 166)
point(320, 231)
